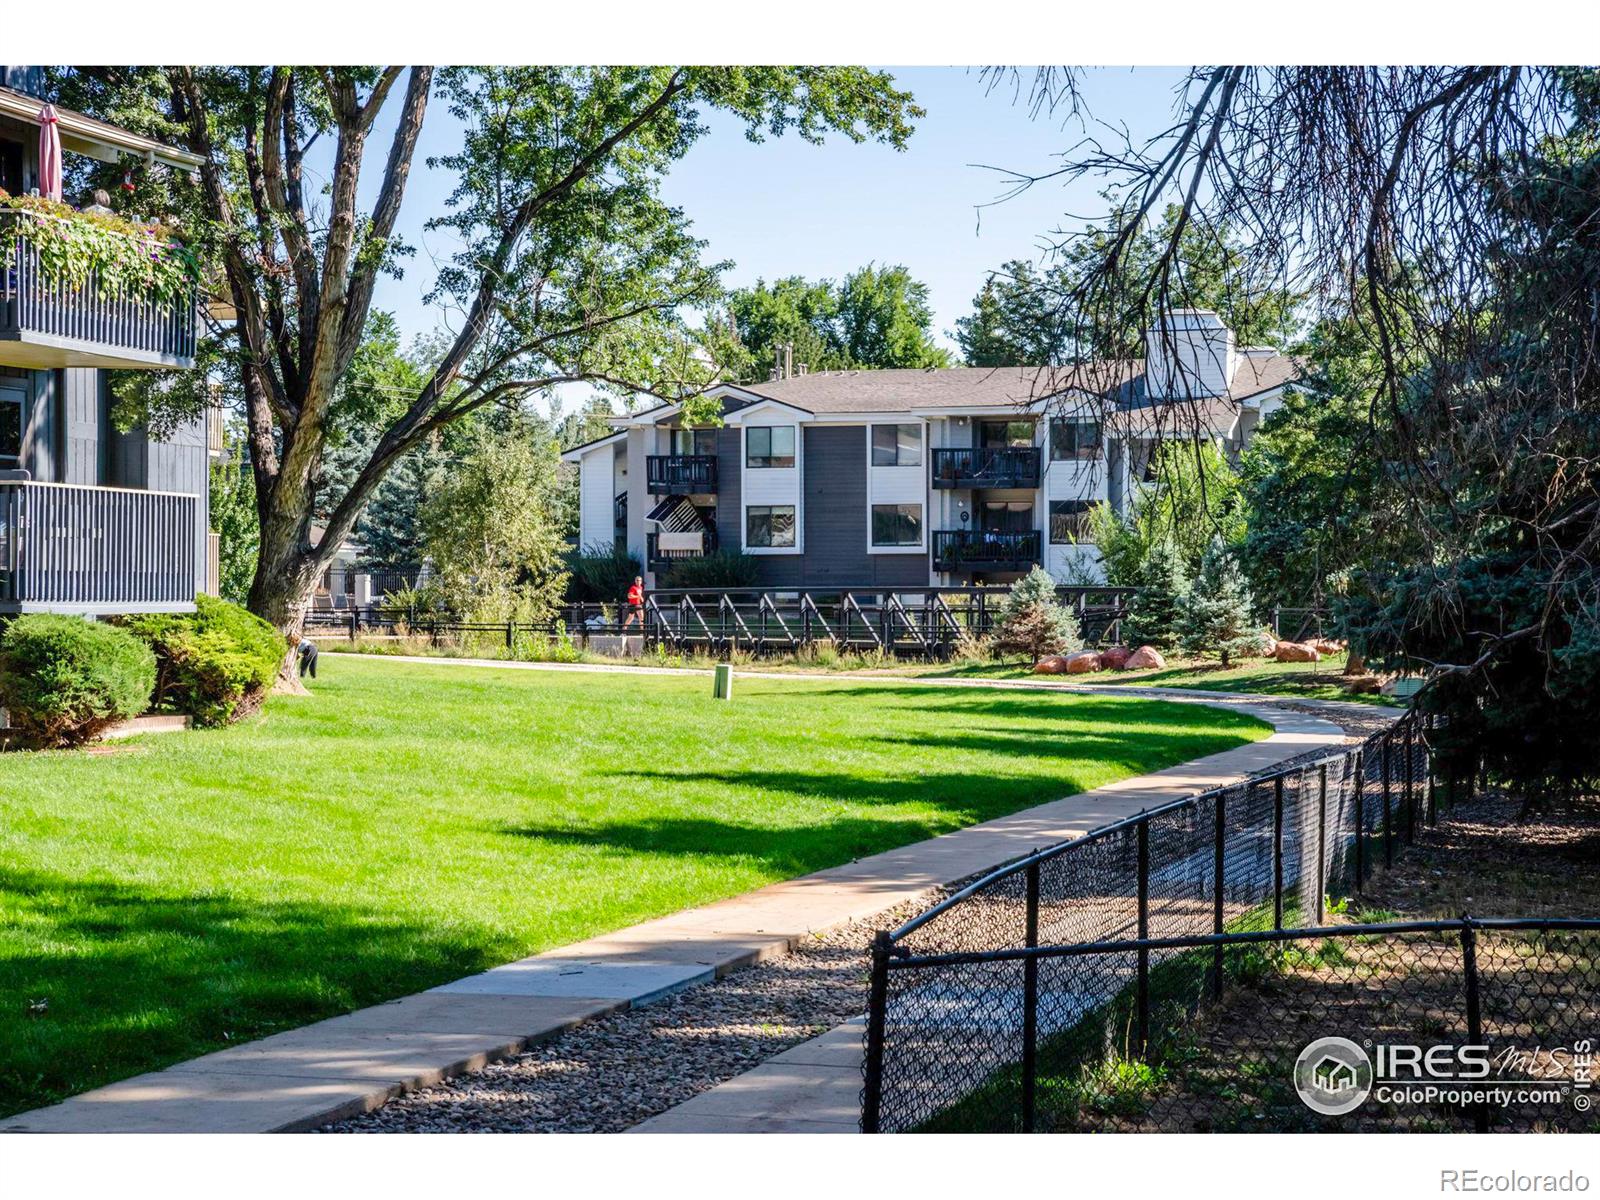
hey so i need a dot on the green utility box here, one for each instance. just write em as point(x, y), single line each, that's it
point(722, 689)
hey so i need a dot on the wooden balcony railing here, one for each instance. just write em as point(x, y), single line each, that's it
point(66, 548)
point(985, 550)
point(1005, 467)
point(680, 474)
point(45, 323)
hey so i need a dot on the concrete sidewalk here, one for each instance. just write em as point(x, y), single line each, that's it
point(352, 1064)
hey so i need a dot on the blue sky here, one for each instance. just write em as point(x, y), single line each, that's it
point(785, 207)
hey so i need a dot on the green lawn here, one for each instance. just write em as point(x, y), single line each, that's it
point(1317, 681)
point(409, 824)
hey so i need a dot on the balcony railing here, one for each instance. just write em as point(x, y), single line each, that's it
point(680, 474)
point(985, 550)
point(1004, 467)
point(46, 323)
point(66, 548)
point(679, 547)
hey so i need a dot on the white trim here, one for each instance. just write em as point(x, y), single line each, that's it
point(789, 413)
point(794, 498)
point(923, 476)
point(96, 139)
point(577, 452)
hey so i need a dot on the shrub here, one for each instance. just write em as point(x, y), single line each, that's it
point(64, 680)
point(725, 568)
point(215, 664)
point(601, 574)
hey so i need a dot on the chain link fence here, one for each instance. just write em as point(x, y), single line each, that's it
point(1058, 992)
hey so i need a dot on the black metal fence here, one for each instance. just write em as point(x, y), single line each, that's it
point(926, 622)
point(968, 1010)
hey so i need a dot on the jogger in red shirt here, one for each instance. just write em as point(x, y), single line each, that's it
point(635, 605)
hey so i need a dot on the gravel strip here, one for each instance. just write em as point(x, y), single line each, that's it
point(611, 1073)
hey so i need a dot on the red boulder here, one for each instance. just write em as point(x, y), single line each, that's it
point(1145, 658)
point(1115, 658)
point(1296, 652)
point(1082, 662)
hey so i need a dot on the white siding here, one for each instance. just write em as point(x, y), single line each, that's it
point(597, 499)
point(899, 485)
point(772, 485)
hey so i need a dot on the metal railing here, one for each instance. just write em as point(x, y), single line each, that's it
point(659, 559)
point(986, 549)
point(95, 549)
point(32, 301)
point(1260, 853)
point(1000, 467)
point(680, 474)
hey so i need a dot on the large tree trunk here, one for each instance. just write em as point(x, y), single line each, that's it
point(286, 575)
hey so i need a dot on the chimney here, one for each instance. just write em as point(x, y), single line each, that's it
point(788, 360)
point(1188, 354)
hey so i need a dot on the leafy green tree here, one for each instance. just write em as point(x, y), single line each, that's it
point(884, 320)
point(571, 267)
point(233, 518)
point(1156, 611)
point(490, 531)
point(1218, 615)
point(1194, 497)
point(878, 317)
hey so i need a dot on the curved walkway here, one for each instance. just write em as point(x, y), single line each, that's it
point(354, 1063)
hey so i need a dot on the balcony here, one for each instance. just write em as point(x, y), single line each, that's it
point(47, 323)
point(985, 550)
point(680, 474)
point(664, 549)
point(1002, 467)
point(71, 549)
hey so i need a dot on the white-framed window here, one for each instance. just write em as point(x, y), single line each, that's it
point(1069, 522)
point(769, 526)
point(1074, 439)
point(769, 446)
point(897, 524)
point(897, 445)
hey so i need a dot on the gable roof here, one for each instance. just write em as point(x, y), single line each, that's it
point(909, 390)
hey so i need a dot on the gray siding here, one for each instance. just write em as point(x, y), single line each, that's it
point(835, 504)
point(82, 414)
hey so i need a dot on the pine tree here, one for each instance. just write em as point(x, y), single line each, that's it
point(1217, 614)
point(1032, 622)
point(1155, 611)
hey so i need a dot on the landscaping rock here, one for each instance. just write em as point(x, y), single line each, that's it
point(1115, 658)
point(1296, 652)
point(1082, 662)
point(1145, 658)
point(1326, 646)
point(1052, 664)
point(1260, 646)
point(1361, 684)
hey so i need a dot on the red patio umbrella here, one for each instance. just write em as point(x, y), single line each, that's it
point(49, 154)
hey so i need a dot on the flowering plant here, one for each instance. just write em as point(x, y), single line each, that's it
point(126, 257)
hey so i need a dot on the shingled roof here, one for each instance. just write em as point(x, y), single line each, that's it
point(941, 387)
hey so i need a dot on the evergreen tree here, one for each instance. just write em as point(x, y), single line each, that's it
point(1156, 610)
point(1032, 622)
point(1218, 614)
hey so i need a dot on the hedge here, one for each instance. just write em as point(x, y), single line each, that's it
point(216, 664)
point(65, 680)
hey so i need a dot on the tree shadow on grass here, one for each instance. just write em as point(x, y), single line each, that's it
point(134, 978)
point(964, 796)
point(784, 851)
point(1040, 707)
